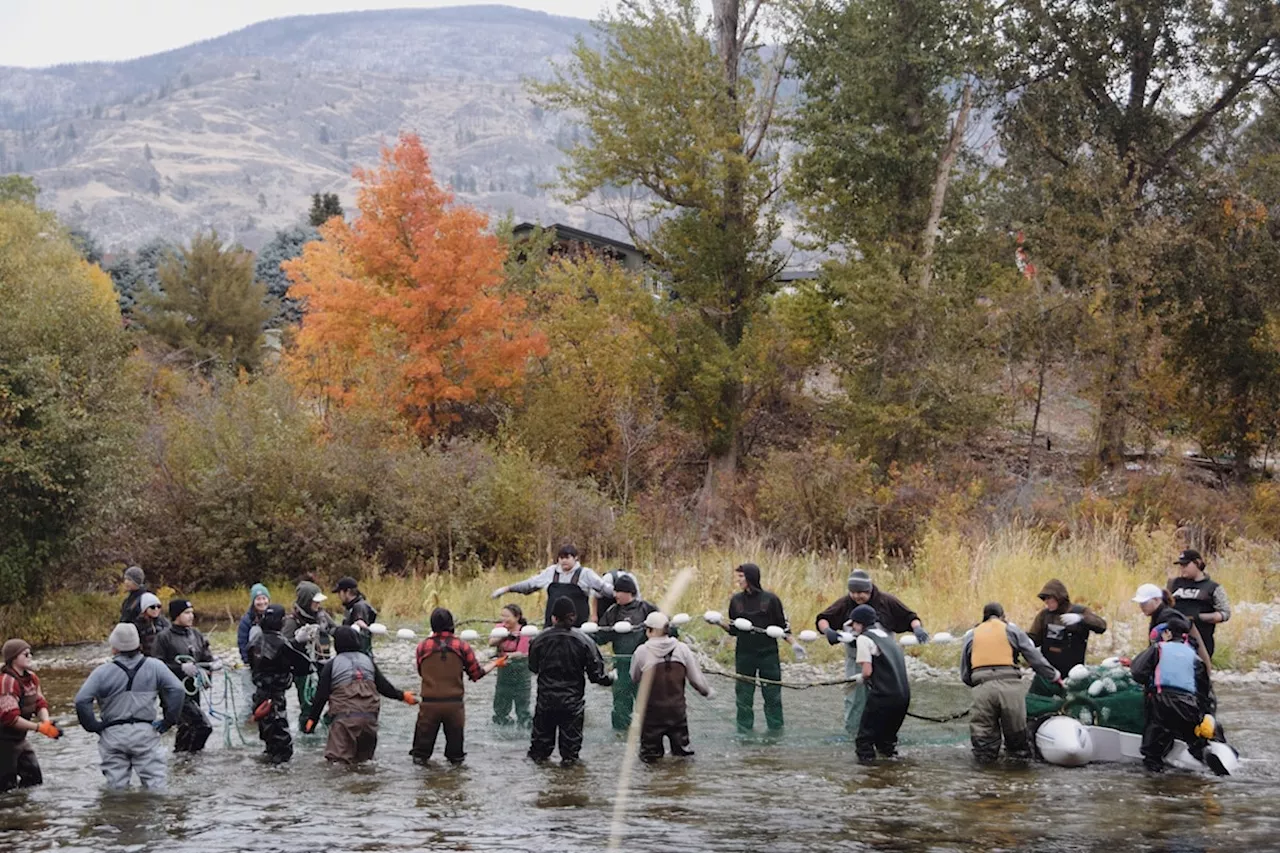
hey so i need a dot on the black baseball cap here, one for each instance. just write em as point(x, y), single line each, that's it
point(1189, 556)
point(346, 583)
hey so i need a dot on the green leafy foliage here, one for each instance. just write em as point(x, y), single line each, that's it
point(209, 308)
point(63, 389)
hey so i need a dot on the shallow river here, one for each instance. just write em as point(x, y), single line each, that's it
point(801, 792)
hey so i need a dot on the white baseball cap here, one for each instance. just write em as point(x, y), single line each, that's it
point(656, 620)
point(1148, 592)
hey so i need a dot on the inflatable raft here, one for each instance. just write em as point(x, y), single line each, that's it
point(1067, 742)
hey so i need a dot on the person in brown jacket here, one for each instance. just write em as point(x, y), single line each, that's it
point(673, 663)
point(1061, 629)
point(442, 660)
point(350, 684)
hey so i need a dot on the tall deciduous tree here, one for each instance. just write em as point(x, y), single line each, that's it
point(62, 386)
point(1113, 101)
point(680, 114)
point(209, 306)
point(404, 308)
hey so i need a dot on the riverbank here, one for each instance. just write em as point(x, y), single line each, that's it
point(949, 581)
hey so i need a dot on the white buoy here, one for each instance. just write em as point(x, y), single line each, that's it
point(622, 627)
point(590, 627)
point(742, 624)
point(1079, 672)
point(499, 633)
point(712, 616)
point(1063, 741)
point(529, 631)
point(943, 637)
point(808, 636)
point(378, 628)
point(908, 640)
point(680, 619)
point(469, 636)
point(1111, 662)
point(775, 632)
point(1096, 688)
point(406, 634)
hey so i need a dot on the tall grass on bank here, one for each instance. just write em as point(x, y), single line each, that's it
point(949, 579)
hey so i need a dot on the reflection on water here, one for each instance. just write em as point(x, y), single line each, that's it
point(801, 791)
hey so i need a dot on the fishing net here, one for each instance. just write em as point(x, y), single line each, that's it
point(1104, 695)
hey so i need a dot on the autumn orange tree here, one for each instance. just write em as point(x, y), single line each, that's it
point(403, 307)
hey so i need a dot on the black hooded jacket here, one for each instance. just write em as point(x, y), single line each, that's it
point(760, 608)
point(563, 658)
point(272, 658)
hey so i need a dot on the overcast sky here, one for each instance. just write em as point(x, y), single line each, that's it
point(34, 33)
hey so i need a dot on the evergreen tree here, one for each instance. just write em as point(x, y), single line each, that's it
point(284, 246)
point(324, 206)
point(210, 307)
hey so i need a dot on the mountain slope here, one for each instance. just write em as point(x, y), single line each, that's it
point(235, 133)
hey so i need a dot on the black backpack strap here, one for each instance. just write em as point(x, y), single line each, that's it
point(577, 573)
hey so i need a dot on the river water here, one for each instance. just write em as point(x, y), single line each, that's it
point(800, 792)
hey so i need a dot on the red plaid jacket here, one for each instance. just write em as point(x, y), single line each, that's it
point(446, 640)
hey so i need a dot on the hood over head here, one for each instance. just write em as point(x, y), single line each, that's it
point(308, 593)
point(345, 639)
point(1056, 589)
point(751, 572)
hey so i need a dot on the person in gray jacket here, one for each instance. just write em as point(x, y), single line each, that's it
point(989, 664)
point(125, 689)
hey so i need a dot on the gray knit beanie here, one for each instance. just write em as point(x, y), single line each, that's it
point(124, 637)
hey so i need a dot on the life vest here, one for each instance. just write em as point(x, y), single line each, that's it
point(888, 669)
point(990, 645)
point(1191, 598)
point(1176, 668)
point(557, 590)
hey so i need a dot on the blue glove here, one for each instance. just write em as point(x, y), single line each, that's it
point(159, 726)
point(921, 635)
point(832, 635)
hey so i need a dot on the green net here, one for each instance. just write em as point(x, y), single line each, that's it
point(1106, 696)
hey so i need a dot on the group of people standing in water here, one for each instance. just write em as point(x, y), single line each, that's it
point(330, 671)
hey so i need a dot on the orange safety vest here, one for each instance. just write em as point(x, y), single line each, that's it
point(990, 645)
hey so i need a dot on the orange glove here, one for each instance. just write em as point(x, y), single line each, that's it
point(309, 726)
point(49, 730)
point(499, 662)
point(409, 698)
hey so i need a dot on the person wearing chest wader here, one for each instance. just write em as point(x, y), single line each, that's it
point(1198, 597)
point(511, 693)
point(350, 685)
point(1177, 692)
point(271, 664)
point(135, 585)
point(1061, 629)
point(892, 615)
point(23, 709)
point(989, 664)
point(672, 663)
point(126, 689)
point(360, 613)
point(443, 659)
point(756, 653)
point(309, 628)
point(561, 657)
point(150, 623)
point(601, 603)
point(879, 659)
point(631, 610)
point(1157, 605)
point(259, 599)
point(566, 579)
point(182, 648)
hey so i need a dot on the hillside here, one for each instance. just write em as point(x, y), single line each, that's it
point(235, 133)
